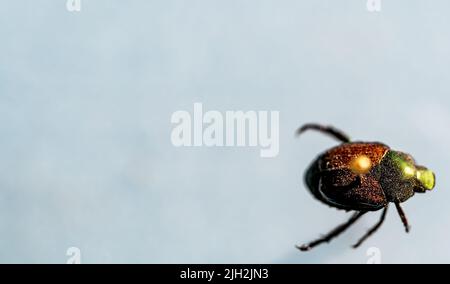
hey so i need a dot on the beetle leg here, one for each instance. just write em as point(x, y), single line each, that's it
point(402, 216)
point(373, 229)
point(330, 130)
point(334, 233)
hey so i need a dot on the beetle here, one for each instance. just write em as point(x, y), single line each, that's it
point(362, 177)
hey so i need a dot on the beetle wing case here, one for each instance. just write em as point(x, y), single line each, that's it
point(330, 179)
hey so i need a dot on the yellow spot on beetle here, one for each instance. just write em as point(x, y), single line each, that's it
point(361, 164)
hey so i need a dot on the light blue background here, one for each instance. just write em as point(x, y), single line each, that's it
point(85, 105)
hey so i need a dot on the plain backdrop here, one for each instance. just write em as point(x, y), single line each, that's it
point(86, 98)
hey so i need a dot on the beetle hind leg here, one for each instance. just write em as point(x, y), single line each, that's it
point(334, 233)
point(373, 229)
point(330, 130)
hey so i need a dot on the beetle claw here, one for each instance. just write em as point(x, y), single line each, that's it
point(304, 247)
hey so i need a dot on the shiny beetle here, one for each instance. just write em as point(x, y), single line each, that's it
point(362, 177)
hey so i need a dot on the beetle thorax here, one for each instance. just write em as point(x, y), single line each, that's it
point(395, 180)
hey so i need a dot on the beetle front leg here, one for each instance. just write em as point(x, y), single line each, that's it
point(402, 216)
point(334, 233)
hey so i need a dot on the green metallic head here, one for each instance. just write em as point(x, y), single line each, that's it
point(422, 178)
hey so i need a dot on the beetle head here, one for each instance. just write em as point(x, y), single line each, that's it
point(424, 179)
